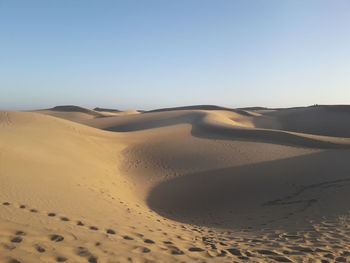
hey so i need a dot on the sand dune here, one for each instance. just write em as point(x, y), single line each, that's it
point(70, 112)
point(328, 120)
point(190, 184)
point(226, 125)
point(80, 114)
point(106, 110)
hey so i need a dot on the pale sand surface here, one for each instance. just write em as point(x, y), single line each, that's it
point(196, 184)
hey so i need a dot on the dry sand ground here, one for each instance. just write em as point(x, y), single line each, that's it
point(196, 184)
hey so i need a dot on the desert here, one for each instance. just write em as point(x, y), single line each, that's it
point(189, 184)
point(187, 131)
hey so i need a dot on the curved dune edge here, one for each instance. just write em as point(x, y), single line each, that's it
point(77, 193)
point(313, 126)
point(222, 123)
point(80, 114)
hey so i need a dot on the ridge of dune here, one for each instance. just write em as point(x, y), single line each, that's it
point(71, 112)
point(226, 124)
point(115, 112)
point(80, 114)
point(202, 107)
point(313, 122)
point(105, 109)
point(73, 108)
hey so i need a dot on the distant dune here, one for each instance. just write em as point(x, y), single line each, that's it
point(104, 109)
point(202, 107)
point(80, 114)
point(72, 108)
point(187, 184)
point(253, 108)
point(327, 120)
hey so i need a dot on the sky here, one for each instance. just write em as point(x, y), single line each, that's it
point(148, 54)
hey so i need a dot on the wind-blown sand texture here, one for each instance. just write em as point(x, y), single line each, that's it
point(189, 184)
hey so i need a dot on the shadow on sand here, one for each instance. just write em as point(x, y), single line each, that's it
point(285, 193)
point(203, 130)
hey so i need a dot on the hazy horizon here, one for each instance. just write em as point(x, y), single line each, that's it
point(176, 106)
point(156, 54)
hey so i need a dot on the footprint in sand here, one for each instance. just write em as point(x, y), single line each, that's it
point(16, 239)
point(175, 250)
point(234, 251)
point(92, 260)
point(61, 259)
point(149, 241)
point(63, 218)
point(79, 223)
point(340, 259)
point(20, 233)
point(281, 259)
point(196, 249)
point(266, 252)
point(83, 252)
point(56, 238)
point(329, 255)
point(40, 249)
point(146, 250)
point(110, 231)
point(141, 250)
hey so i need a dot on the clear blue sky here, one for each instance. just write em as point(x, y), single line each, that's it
point(148, 54)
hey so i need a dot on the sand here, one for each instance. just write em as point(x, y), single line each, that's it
point(189, 184)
